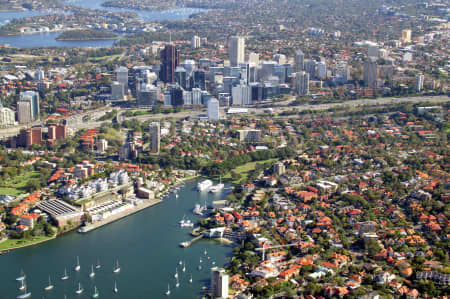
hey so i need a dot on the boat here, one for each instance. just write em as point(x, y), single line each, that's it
point(22, 285)
point(186, 223)
point(116, 267)
point(21, 276)
point(201, 261)
point(204, 185)
point(65, 276)
point(98, 266)
point(176, 273)
point(50, 286)
point(217, 188)
point(213, 263)
point(176, 195)
point(96, 294)
point(184, 267)
point(199, 267)
point(25, 293)
point(204, 287)
point(92, 274)
point(208, 257)
point(205, 252)
point(177, 284)
point(168, 290)
point(77, 267)
point(180, 263)
point(198, 210)
point(115, 290)
point(190, 279)
point(79, 290)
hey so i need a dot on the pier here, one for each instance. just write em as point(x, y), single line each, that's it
point(189, 243)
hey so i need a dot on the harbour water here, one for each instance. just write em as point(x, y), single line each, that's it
point(146, 245)
point(49, 39)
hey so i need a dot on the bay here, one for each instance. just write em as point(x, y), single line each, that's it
point(146, 245)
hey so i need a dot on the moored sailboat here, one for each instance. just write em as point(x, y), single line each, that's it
point(50, 286)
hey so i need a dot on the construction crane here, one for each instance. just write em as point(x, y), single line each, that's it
point(263, 249)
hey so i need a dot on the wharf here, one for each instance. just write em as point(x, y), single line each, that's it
point(144, 205)
point(189, 243)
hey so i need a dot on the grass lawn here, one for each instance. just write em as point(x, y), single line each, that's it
point(16, 185)
point(14, 243)
point(243, 170)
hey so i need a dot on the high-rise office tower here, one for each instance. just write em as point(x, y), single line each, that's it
point(310, 67)
point(122, 77)
point(342, 71)
point(302, 83)
point(170, 59)
point(155, 137)
point(24, 112)
point(241, 95)
point(32, 97)
point(322, 70)
point(219, 283)
point(371, 72)
point(181, 77)
point(299, 60)
point(213, 109)
point(147, 95)
point(237, 50)
point(418, 83)
point(196, 42)
point(117, 91)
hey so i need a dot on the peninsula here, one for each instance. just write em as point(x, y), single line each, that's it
point(85, 34)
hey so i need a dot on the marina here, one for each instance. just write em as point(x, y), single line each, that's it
point(146, 240)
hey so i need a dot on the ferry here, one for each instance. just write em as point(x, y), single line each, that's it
point(204, 185)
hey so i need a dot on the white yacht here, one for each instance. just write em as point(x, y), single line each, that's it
point(204, 185)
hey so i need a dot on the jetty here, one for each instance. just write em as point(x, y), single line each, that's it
point(189, 243)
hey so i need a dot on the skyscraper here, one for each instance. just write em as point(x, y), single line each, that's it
point(117, 91)
point(241, 95)
point(31, 97)
point(213, 109)
point(147, 95)
point(310, 67)
point(237, 50)
point(322, 70)
point(299, 59)
point(170, 59)
point(122, 77)
point(302, 83)
point(370, 72)
point(406, 36)
point(155, 137)
point(196, 42)
point(219, 283)
point(418, 83)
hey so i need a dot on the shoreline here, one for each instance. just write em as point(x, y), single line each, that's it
point(113, 219)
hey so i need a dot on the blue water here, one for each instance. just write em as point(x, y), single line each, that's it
point(48, 39)
point(146, 245)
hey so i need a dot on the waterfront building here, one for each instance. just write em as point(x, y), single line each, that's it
point(237, 50)
point(155, 137)
point(371, 72)
point(196, 42)
point(170, 59)
point(122, 77)
point(219, 283)
point(61, 211)
point(7, 117)
point(302, 83)
point(213, 109)
point(418, 83)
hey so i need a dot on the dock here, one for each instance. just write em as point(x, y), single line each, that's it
point(189, 243)
point(140, 207)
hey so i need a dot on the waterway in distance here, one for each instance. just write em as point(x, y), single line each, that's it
point(146, 245)
point(49, 39)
